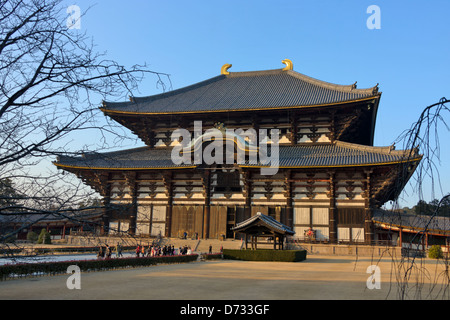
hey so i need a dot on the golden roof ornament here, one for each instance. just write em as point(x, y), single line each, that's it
point(225, 68)
point(289, 64)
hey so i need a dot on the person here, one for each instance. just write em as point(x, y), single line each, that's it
point(210, 249)
point(108, 252)
point(119, 250)
point(189, 251)
point(100, 253)
point(138, 251)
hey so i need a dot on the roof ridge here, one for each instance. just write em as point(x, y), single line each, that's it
point(164, 94)
point(333, 86)
point(380, 149)
point(301, 76)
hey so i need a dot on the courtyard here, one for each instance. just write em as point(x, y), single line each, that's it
point(320, 277)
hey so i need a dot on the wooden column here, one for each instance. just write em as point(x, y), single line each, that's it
point(333, 210)
point(206, 181)
point(288, 194)
point(100, 181)
point(274, 241)
point(293, 128)
point(247, 191)
point(130, 178)
point(245, 242)
point(368, 224)
point(167, 180)
point(255, 124)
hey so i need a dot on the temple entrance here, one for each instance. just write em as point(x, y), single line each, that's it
point(187, 219)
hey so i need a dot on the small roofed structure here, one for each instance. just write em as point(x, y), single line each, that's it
point(261, 225)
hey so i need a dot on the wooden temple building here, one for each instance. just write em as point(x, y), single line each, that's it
point(329, 175)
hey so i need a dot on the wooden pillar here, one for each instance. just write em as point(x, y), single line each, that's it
point(255, 124)
point(333, 210)
point(64, 232)
point(167, 180)
point(274, 241)
point(130, 178)
point(104, 188)
point(105, 216)
point(368, 224)
point(207, 208)
point(332, 135)
point(288, 194)
point(247, 191)
point(245, 242)
point(294, 128)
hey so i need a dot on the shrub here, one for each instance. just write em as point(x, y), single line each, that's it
point(32, 236)
point(435, 252)
point(44, 237)
point(265, 255)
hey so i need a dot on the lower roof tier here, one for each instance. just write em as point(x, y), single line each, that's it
point(337, 154)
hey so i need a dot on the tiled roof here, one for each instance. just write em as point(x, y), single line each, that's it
point(339, 154)
point(417, 222)
point(245, 91)
point(268, 221)
point(144, 157)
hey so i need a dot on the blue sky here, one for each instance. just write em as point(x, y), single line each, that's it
point(329, 40)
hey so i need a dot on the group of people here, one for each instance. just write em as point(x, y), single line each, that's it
point(151, 250)
point(156, 251)
point(107, 251)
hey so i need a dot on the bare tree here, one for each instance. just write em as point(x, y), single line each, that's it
point(424, 135)
point(51, 83)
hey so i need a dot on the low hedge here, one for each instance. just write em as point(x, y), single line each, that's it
point(52, 268)
point(212, 256)
point(265, 255)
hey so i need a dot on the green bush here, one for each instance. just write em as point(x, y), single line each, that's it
point(44, 237)
point(213, 256)
point(265, 255)
point(435, 252)
point(32, 236)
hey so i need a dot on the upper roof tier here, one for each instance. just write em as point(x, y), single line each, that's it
point(255, 90)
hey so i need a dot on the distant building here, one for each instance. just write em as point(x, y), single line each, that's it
point(329, 176)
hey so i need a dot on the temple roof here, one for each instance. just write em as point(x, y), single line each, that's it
point(337, 154)
point(260, 222)
point(256, 90)
point(390, 219)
